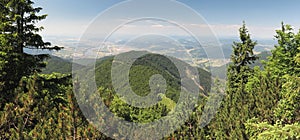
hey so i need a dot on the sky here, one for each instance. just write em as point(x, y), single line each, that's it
point(263, 17)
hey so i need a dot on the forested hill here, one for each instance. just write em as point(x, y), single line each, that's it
point(58, 65)
point(145, 67)
point(140, 73)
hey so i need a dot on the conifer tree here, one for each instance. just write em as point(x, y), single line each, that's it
point(235, 109)
point(282, 92)
point(18, 31)
point(283, 60)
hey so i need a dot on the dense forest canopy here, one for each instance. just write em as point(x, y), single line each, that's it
point(261, 102)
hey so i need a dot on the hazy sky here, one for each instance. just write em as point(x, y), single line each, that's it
point(71, 17)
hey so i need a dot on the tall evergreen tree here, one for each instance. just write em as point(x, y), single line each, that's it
point(235, 109)
point(18, 31)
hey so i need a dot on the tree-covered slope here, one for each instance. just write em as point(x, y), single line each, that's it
point(140, 73)
point(59, 65)
point(142, 70)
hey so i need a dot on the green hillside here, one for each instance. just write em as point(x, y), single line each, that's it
point(58, 65)
point(140, 73)
point(142, 70)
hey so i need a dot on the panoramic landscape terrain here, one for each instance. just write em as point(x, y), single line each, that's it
point(239, 78)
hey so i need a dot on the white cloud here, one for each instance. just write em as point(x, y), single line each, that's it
point(157, 26)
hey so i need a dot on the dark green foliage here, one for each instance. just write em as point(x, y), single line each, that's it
point(265, 93)
point(280, 91)
point(145, 67)
point(45, 108)
point(134, 114)
point(236, 107)
point(59, 65)
point(18, 31)
point(33, 106)
point(282, 60)
point(243, 51)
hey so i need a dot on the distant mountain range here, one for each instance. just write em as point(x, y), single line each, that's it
point(61, 65)
point(161, 45)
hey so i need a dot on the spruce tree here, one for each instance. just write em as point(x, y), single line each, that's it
point(278, 96)
point(18, 31)
point(282, 61)
point(235, 109)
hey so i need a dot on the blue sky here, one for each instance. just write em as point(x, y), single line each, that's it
point(71, 17)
